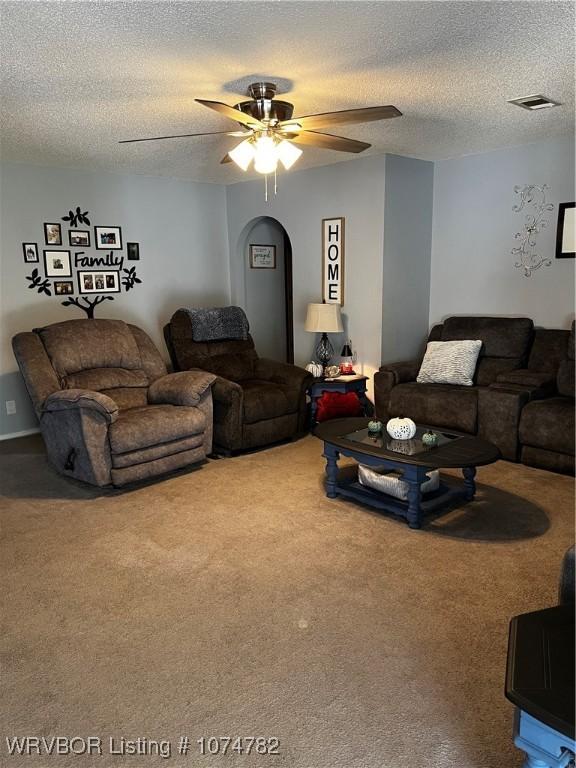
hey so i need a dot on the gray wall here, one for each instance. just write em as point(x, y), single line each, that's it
point(265, 301)
point(473, 233)
point(353, 189)
point(407, 249)
point(181, 228)
point(193, 240)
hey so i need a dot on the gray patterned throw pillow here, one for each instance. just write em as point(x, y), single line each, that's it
point(449, 362)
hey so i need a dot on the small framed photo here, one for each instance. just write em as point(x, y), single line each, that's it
point(97, 281)
point(63, 287)
point(108, 238)
point(79, 238)
point(133, 251)
point(57, 264)
point(566, 232)
point(262, 257)
point(52, 234)
point(30, 252)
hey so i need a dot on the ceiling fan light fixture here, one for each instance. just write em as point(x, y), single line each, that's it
point(266, 157)
point(288, 154)
point(243, 154)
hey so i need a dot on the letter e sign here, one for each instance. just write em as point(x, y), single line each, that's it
point(333, 261)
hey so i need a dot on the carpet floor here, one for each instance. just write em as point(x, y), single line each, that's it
point(237, 600)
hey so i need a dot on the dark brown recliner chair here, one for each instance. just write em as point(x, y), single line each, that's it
point(256, 401)
point(108, 411)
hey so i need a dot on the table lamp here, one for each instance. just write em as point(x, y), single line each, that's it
point(324, 319)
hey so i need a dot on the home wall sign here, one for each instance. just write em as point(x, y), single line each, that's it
point(97, 275)
point(566, 232)
point(333, 261)
point(531, 197)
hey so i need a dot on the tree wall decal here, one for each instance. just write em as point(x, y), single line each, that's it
point(89, 305)
point(36, 281)
point(77, 217)
point(97, 275)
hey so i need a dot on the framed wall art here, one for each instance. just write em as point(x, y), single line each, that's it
point(63, 287)
point(98, 281)
point(133, 251)
point(30, 252)
point(80, 238)
point(108, 238)
point(262, 257)
point(333, 260)
point(566, 232)
point(57, 264)
point(52, 234)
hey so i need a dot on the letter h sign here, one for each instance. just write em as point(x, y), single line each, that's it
point(333, 261)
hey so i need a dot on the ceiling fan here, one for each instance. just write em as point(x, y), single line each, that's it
point(270, 131)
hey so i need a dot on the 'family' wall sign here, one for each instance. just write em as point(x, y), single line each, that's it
point(97, 276)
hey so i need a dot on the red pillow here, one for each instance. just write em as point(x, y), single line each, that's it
point(334, 405)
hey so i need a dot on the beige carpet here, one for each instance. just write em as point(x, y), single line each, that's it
point(238, 600)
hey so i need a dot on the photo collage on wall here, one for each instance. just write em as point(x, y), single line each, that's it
point(69, 269)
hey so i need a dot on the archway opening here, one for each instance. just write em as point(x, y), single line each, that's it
point(266, 253)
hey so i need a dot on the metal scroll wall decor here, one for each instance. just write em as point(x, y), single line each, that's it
point(531, 197)
point(70, 271)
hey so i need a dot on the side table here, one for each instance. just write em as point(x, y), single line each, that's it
point(353, 383)
point(540, 682)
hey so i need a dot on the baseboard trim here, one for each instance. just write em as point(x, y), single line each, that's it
point(23, 433)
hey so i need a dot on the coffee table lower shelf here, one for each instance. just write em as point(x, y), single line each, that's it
point(451, 491)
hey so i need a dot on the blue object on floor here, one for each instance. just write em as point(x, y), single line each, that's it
point(544, 747)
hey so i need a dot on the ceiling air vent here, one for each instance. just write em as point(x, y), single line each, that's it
point(537, 101)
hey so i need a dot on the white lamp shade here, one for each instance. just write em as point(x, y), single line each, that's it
point(243, 154)
point(323, 318)
point(288, 154)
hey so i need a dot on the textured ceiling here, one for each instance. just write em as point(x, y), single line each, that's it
point(76, 77)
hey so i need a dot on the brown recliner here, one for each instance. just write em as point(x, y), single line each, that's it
point(256, 401)
point(109, 412)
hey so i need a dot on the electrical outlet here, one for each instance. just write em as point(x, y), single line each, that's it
point(10, 407)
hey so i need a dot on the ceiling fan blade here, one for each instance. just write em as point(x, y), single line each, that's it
point(345, 117)
point(177, 136)
point(327, 141)
point(226, 159)
point(232, 113)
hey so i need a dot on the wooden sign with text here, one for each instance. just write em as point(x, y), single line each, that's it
point(333, 261)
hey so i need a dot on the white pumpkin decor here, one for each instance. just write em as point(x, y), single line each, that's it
point(401, 428)
point(315, 369)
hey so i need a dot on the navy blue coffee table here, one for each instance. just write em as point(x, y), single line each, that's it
point(350, 437)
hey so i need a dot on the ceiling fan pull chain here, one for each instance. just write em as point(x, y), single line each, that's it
point(266, 188)
point(275, 182)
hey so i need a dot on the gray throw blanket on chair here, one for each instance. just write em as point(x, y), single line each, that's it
point(218, 323)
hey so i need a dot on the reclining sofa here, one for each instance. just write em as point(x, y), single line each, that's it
point(109, 413)
point(523, 394)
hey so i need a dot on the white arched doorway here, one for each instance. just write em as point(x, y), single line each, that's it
point(268, 291)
